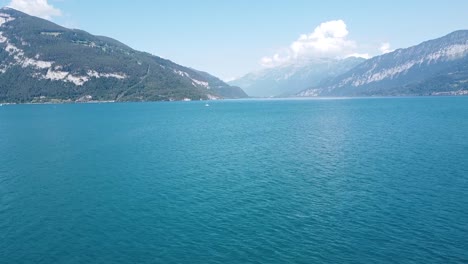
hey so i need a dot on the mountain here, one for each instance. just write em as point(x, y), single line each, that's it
point(435, 67)
point(290, 78)
point(42, 61)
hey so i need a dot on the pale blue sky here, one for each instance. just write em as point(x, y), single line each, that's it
point(229, 38)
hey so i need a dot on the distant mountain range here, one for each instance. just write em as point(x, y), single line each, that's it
point(293, 77)
point(435, 67)
point(42, 62)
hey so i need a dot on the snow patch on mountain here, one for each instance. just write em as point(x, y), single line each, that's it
point(95, 74)
point(181, 73)
point(26, 62)
point(452, 52)
point(3, 39)
point(195, 82)
point(55, 74)
point(5, 18)
point(20, 58)
point(78, 80)
point(201, 83)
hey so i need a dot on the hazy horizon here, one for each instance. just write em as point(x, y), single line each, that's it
point(230, 40)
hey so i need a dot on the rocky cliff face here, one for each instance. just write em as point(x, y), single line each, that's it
point(435, 66)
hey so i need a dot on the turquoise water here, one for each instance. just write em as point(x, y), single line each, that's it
point(274, 181)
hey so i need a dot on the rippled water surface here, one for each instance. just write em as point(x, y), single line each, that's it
point(273, 181)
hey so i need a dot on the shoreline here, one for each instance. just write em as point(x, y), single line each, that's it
point(238, 99)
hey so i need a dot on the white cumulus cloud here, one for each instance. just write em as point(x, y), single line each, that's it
point(274, 60)
point(39, 8)
point(329, 39)
point(385, 48)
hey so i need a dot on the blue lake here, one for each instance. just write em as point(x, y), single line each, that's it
point(377, 180)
